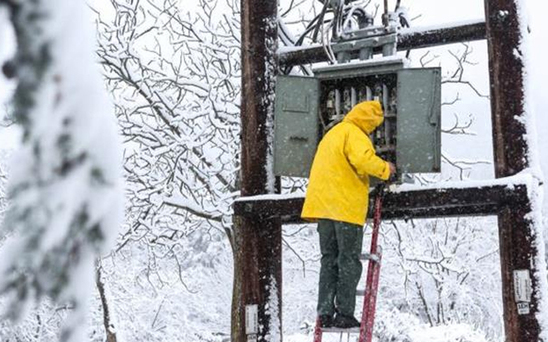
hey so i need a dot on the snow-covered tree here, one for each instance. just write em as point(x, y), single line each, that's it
point(175, 79)
point(65, 193)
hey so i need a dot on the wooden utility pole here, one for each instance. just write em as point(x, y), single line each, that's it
point(518, 253)
point(256, 307)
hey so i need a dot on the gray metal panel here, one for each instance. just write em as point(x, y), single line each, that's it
point(357, 69)
point(296, 125)
point(419, 120)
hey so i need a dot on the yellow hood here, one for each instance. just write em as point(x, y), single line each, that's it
point(338, 188)
point(366, 115)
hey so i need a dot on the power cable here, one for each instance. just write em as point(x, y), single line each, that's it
point(320, 20)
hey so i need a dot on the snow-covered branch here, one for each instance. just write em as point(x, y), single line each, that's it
point(177, 98)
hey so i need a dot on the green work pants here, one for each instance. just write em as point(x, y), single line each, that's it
point(340, 245)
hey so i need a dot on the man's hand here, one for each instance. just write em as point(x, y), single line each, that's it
point(392, 169)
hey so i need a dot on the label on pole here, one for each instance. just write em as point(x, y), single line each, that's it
point(523, 308)
point(522, 286)
point(251, 321)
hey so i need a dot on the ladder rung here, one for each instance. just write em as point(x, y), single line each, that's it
point(339, 330)
point(367, 256)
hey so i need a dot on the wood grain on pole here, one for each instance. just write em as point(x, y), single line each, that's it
point(517, 248)
point(257, 241)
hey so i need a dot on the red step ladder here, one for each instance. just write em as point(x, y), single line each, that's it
point(371, 284)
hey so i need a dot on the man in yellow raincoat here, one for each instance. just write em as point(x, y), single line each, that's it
point(337, 197)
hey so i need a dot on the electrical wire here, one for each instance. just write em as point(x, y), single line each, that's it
point(342, 16)
point(385, 15)
point(326, 44)
point(340, 20)
point(320, 20)
point(349, 15)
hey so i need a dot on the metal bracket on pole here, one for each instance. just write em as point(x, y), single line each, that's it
point(362, 48)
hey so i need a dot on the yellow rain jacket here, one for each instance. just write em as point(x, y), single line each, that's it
point(338, 188)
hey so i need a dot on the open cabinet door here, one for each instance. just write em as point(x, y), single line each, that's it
point(419, 120)
point(296, 125)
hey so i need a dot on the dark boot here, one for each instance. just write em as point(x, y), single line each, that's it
point(345, 322)
point(326, 321)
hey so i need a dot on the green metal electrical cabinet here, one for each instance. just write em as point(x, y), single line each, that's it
point(419, 120)
point(296, 132)
point(410, 135)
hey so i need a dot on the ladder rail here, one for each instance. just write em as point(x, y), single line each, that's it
point(373, 273)
point(318, 331)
